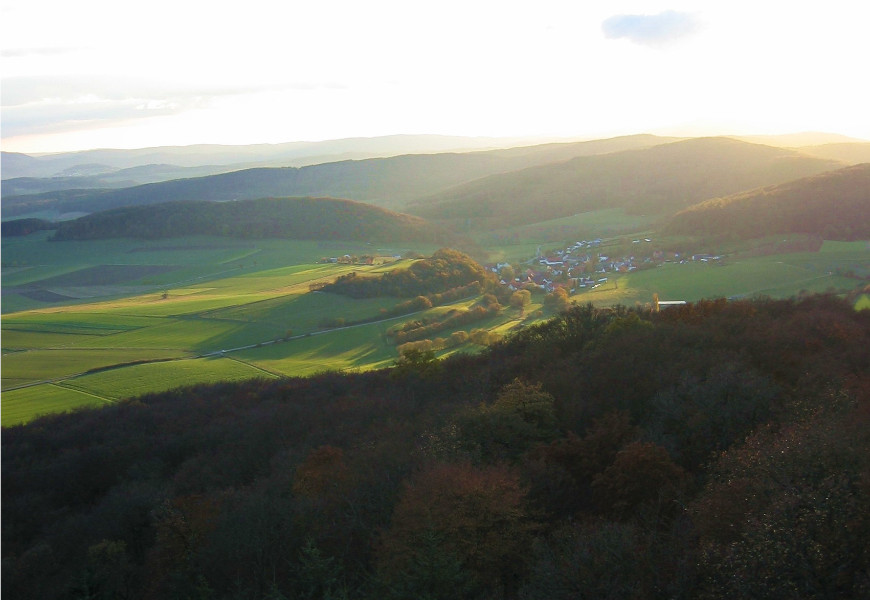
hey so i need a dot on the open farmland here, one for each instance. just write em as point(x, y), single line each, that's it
point(59, 355)
point(230, 310)
point(22, 405)
point(778, 276)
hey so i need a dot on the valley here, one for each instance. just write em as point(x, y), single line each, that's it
point(456, 301)
point(233, 310)
point(153, 294)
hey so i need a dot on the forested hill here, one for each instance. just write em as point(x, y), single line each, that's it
point(25, 226)
point(292, 218)
point(834, 205)
point(658, 180)
point(714, 450)
point(389, 182)
point(445, 270)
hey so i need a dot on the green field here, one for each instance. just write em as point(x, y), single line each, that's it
point(56, 363)
point(777, 276)
point(161, 306)
point(224, 308)
point(136, 380)
point(20, 406)
point(520, 243)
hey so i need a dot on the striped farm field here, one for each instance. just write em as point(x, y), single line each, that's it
point(20, 406)
point(48, 364)
point(359, 347)
point(207, 296)
point(157, 377)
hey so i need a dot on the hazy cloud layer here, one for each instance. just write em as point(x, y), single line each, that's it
point(650, 30)
point(25, 52)
point(39, 105)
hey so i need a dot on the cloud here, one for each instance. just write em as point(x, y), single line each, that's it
point(33, 105)
point(45, 105)
point(650, 30)
point(28, 52)
point(18, 91)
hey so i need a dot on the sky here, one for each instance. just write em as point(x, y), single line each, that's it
point(106, 74)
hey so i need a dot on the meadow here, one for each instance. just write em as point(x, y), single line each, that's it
point(222, 309)
point(210, 298)
point(777, 276)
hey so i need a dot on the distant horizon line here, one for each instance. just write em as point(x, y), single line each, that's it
point(533, 138)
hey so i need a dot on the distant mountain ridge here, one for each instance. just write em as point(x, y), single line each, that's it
point(658, 180)
point(291, 218)
point(852, 153)
point(288, 154)
point(389, 182)
point(109, 178)
point(834, 205)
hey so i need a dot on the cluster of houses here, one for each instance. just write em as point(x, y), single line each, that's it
point(349, 259)
point(587, 265)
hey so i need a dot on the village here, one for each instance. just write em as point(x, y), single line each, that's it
point(588, 264)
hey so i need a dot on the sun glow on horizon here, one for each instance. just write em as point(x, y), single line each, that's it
point(339, 69)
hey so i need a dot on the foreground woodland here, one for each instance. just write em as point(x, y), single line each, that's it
point(718, 449)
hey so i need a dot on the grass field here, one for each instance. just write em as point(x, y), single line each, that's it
point(520, 243)
point(778, 276)
point(48, 364)
point(203, 296)
point(157, 377)
point(20, 406)
point(215, 315)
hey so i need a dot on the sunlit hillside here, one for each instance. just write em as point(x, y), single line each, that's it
point(833, 205)
point(659, 180)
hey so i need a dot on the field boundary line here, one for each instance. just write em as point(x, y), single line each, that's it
point(85, 392)
point(257, 367)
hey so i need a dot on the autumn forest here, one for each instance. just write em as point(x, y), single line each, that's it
point(713, 450)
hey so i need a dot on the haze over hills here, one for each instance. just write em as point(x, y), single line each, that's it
point(285, 154)
point(834, 205)
point(114, 178)
point(657, 180)
point(800, 139)
point(289, 218)
point(852, 153)
point(390, 182)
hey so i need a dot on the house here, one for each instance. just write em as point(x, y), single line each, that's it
point(660, 304)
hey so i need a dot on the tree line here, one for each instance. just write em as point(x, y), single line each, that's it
point(289, 218)
point(447, 269)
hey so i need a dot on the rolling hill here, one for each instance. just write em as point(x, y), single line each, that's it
point(109, 178)
point(852, 153)
point(657, 180)
point(291, 218)
point(289, 153)
point(389, 182)
point(834, 205)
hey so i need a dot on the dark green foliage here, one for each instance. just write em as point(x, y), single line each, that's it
point(25, 226)
point(291, 218)
point(594, 561)
point(714, 450)
point(417, 363)
point(700, 417)
point(521, 416)
point(432, 572)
